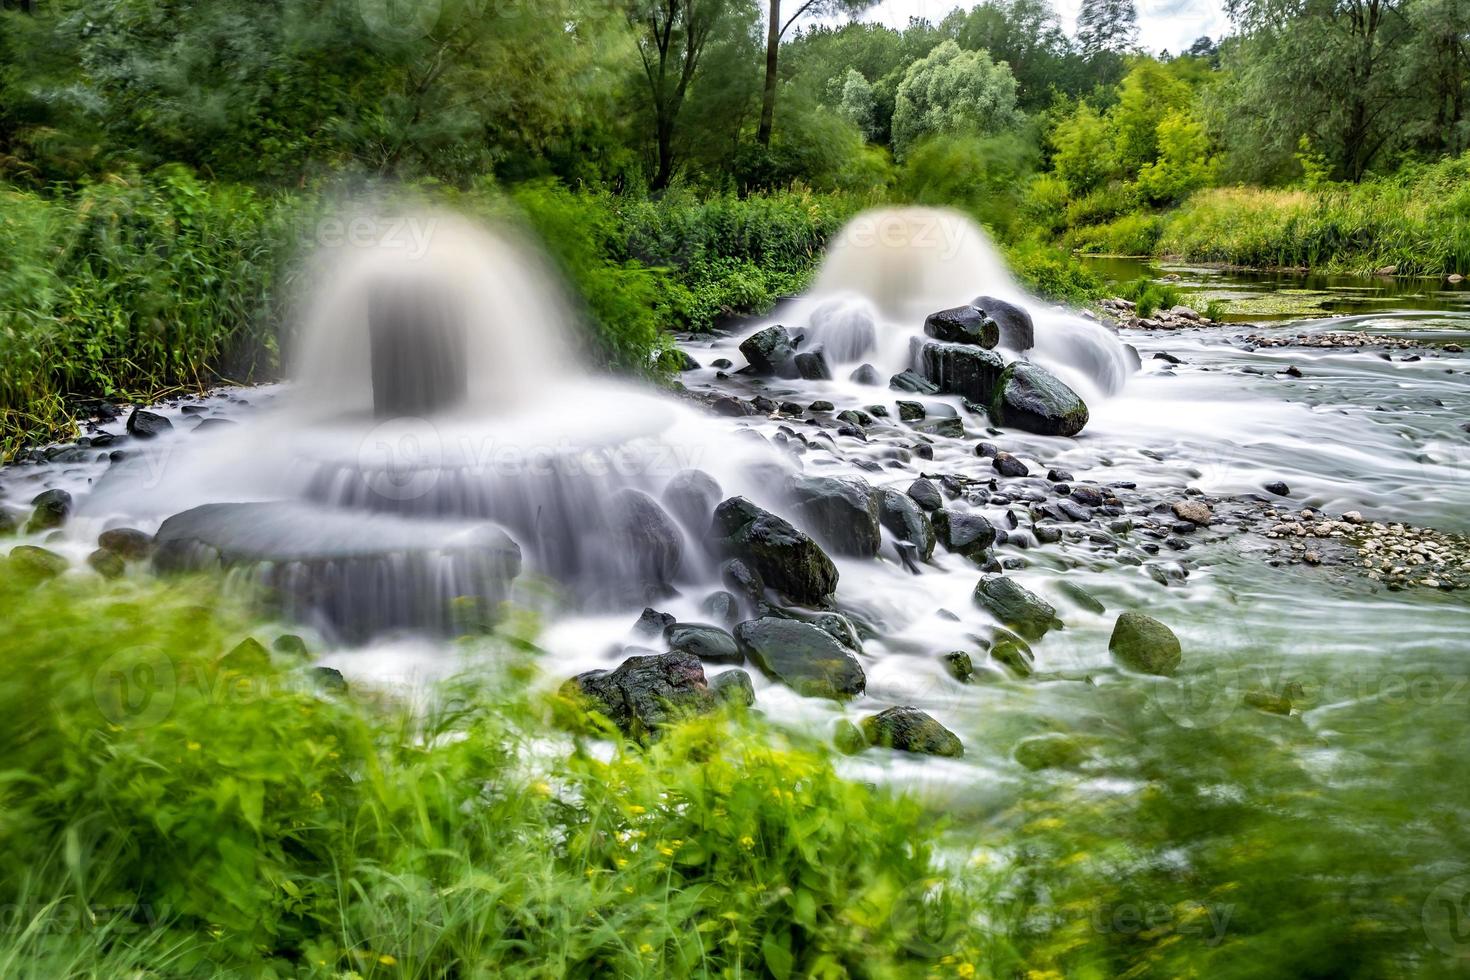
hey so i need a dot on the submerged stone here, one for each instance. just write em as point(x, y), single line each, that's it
point(36, 564)
point(52, 507)
point(913, 383)
point(1015, 606)
point(1144, 644)
point(691, 496)
point(805, 658)
point(1050, 751)
point(841, 513)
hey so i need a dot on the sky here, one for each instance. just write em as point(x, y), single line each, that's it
point(1162, 24)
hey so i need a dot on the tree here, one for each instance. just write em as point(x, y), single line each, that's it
point(776, 30)
point(671, 41)
point(1107, 27)
point(954, 91)
point(1027, 36)
point(856, 104)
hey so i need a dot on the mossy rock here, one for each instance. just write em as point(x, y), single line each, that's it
point(1144, 644)
point(36, 564)
point(1050, 751)
point(1015, 606)
point(1030, 398)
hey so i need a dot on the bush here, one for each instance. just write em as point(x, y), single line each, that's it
point(980, 175)
point(1132, 234)
point(1149, 296)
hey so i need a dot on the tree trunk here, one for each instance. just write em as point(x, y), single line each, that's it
point(665, 139)
point(768, 98)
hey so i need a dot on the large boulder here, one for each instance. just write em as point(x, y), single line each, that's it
point(1031, 398)
point(970, 535)
point(647, 693)
point(842, 514)
point(647, 535)
point(803, 657)
point(1015, 606)
point(1016, 329)
point(709, 643)
point(962, 369)
point(963, 325)
point(691, 496)
point(908, 729)
point(771, 351)
point(781, 557)
point(812, 364)
point(906, 521)
point(1144, 644)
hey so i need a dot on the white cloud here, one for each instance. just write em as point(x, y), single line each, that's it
point(1162, 24)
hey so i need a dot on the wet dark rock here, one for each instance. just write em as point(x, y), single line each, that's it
point(708, 643)
point(1016, 329)
point(1046, 534)
point(908, 729)
point(8, 523)
point(1050, 751)
point(923, 450)
point(803, 657)
point(1166, 356)
point(843, 514)
point(1031, 398)
point(145, 424)
point(329, 679)
point(878, 411)
point(648, 534)
point(108, 564)
point(951, 428)
point(854, 416)
point(912, 383)
point(722, 607)
point(790, 408)
point(652, 622)
point(970, 535)
point(783, 557)
point(730, 407)
point(645, 694)
point(812, 364)
point(52, 508)
point(910, 411)
point(1084, 599)
point(1194, 511)
point(36, 564)
point(1087, 496)
point(771, 352)
point(987, 450)
point(961, 369)
point(763, 405)
point(903, 518)
point(1279, 488)
point(721, 363)
point(1144, 644)
point(839, 627)
point(821, 406)
point(1059, 476)
point(126, 542)
point(865, 374)
point(926, 494)
point(1074, 512)
point(1007, 465)
point(1015, 606)
point(963, 325)
point(734, 687)
point(959, 665)
point(1012, 652)
point(291, 645)
point(691, 496)
point(680, 360)
point(743, 580)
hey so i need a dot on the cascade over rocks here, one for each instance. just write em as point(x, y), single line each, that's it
point(641, 526)
point(1031, 398)
point(812, 364)
point(912, 383)
point(906, 521)
point(646, 693)
point(842, 513)
point(804, 657)
point(970, 535)
point(962, 369)
point(771, 352)
point(1016, 329)
point(780, 556)
point(963, 325)
point(52, 509)
point(691, 496)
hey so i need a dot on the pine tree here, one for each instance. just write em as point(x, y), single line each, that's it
point(1107, 26)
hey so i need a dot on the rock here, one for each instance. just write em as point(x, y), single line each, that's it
point(1194, 512)
point(1007, 465)
point(1059, 476)
point(1166, 356)
point(910, 411)
point(1084, 599)
point(1009, 650)
point(145, 425)
point(807, 659)
point(961, 369)
point(691, 496)
point(843, 514)
point(1144, 644)
point(291, 645)
point(970, 535)
point(722, 607)
point(652, 540)
point(865, 374)
point(1279, 488)
point(214, 422)
point(821, 406)
point(913, 383)
point(848, 738)
point(53, 507)
point(1016, 329)
point(963, 325)
point(36, 564)
point(908, 729)
point(853, 416)
point(248, 656)
point(734, 687)
point(1183, 312)
point(106, 563)
point(1051, 751)
point(731, 407)
point(1387, 270)
point(959, 664)
point(709, 643)
point(652, 622)
point(743, 580)
point(1015, 606)
point(329, 679)
point(838, 627)
point(722, 363)
point(647, 693)
point(783, 557)
point(679, 360)
point(771, 352)
point(906, 521)
point(951, 428)
point(1267, 701)
point(1030, 398)
point(127, 543)
point(926, 494)
point(812, 365)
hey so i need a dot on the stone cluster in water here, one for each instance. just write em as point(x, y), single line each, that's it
point(1398, 555)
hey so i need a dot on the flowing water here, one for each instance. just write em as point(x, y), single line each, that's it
point(493, 424)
